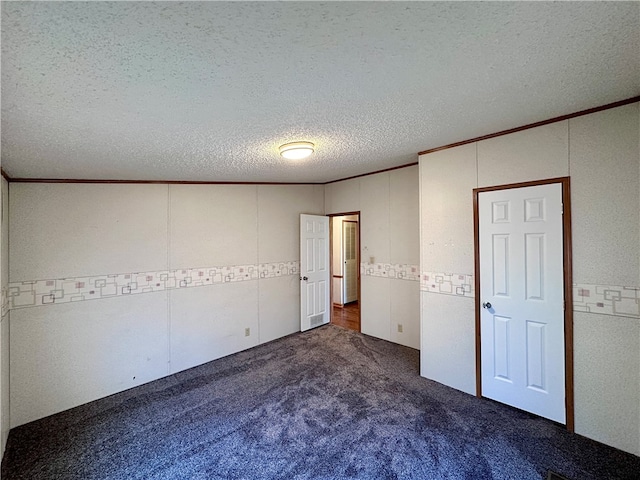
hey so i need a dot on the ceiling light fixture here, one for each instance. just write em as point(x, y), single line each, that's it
point(296, 150)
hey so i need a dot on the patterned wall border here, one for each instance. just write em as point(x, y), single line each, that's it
point(461, 285)
point(65, 290)
point(5, 302)
point(607, 299)
point(400, 271)
point(614, 300)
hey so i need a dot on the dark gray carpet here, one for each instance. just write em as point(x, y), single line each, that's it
point(326, 404)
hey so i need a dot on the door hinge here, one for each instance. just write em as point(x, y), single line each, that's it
point(562, 208)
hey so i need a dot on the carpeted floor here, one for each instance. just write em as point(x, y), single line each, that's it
point(325, 404)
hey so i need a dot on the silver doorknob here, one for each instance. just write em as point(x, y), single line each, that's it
point(486, 305)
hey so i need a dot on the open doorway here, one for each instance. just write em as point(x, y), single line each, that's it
point(345, 269)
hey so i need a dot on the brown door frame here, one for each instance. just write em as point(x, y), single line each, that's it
point(357, 222)
point(568, 282)
point(331, 215)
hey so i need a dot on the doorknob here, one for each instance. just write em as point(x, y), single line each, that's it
point(304, 278)
point(486, 305)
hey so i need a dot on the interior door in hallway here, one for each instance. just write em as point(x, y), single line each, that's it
point(520, 235)
point(314, 271)
point(350, 259)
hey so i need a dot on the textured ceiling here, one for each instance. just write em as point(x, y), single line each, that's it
point(208, 91)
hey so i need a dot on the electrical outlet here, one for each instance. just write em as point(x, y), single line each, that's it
point(247, 332)
point(399, 328)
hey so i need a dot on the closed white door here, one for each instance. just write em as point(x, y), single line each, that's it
point(350, 258)
point(522, 297)
point(314, 271)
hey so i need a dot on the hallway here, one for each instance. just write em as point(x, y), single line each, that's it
point(347, 316)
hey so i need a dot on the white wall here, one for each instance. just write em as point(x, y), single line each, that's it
point(87, 239)
point(605, 192)
point(4, 324)
point(600, 152)
point(446, 246)
point(388, 206)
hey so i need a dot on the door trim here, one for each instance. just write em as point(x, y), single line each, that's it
point(568, 283)
point(330, 215)
point(357, 222)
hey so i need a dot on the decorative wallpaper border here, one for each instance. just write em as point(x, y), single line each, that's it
point(76, 289)
point(607, 300)
point(400, 271)
point(614, 300)
point(5, 302)
point(461, 285)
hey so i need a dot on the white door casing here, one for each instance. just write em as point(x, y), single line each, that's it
point(314, 271)
point(350, 260)
point(522, 298)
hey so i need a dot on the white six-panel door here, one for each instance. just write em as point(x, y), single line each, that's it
point(522, 298)
point(314, 271)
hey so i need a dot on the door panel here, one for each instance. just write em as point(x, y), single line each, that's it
point(323, 300)
point(310, 249)
point(534, 266)
point(500, 212)
point(322, 259)
point(311, 297)
point(314, 271)
point(522, 287)
point(501, 340)
point(501, 265)
point(535, 356)
point(534, 210)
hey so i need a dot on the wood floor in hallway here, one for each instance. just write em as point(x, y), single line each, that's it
point(347, 316)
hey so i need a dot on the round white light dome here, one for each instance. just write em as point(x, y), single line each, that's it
point(296, 150)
